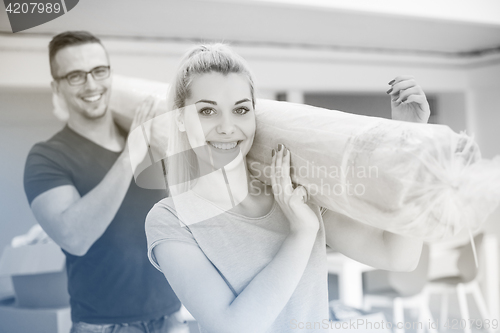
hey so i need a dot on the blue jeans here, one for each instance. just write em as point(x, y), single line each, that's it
point(167, 324)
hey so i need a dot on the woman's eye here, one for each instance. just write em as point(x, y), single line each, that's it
point(242, 111)
point(207, 112)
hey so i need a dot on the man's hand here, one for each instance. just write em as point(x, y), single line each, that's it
point(140, 132)
point(408, 101)
point(144, 112)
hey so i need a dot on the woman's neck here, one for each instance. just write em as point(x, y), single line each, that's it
point(225, 187)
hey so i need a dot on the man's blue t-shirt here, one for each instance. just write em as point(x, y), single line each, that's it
point(114, 281)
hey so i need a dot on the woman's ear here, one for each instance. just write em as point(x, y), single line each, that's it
point(179, 120)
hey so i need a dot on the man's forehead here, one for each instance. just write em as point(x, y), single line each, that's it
point(81, 57)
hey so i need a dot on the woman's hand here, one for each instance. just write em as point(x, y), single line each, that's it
point(292, 201)
point(408, 101)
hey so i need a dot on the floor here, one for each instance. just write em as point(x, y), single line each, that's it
point(453, 311)
point(453, 315)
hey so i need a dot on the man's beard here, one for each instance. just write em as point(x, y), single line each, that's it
point(95, 116)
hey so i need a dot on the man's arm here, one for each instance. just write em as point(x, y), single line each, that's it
point(76, 222)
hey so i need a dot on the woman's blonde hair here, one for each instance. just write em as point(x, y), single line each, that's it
point(182, 165)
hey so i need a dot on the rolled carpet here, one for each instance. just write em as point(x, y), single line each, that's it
point(419, 180)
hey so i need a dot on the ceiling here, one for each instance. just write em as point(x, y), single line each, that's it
point(275, 23)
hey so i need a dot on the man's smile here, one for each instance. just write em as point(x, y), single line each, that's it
point(92, 98)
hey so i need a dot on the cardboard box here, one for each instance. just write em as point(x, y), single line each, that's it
point(38, 275)
point(6, 288)
point(21, 320)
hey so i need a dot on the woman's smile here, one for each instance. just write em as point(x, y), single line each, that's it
point(224, 145)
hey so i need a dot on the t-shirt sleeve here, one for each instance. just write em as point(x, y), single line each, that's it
point(162, 224)
point(43, 171)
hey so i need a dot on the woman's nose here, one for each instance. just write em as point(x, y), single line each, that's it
point(226, 125)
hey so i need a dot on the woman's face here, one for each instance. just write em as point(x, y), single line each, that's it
point(223, 119)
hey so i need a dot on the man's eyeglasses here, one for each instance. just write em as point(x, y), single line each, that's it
point(80, 77)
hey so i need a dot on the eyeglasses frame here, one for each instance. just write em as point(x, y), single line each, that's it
point(86, 75)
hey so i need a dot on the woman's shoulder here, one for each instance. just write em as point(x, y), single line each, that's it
point(162, 224)
point(165, 203)
point(162, 212)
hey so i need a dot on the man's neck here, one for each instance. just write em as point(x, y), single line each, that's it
point(102, 131)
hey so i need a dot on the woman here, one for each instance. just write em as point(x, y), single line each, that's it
point(243, 257)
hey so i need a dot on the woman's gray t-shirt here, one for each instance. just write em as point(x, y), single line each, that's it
point(240, 247)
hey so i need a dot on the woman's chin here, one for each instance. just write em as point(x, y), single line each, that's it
point(222, 157)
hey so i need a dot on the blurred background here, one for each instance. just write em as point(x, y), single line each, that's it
point(329, 53)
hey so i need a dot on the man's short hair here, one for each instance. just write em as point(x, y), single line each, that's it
point(66, 39)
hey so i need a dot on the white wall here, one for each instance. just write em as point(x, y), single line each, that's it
point(274, 68)
point(484, 107)
point(451, 110)
point(484, 94)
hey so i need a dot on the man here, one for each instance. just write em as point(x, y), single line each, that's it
point(80, 188)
